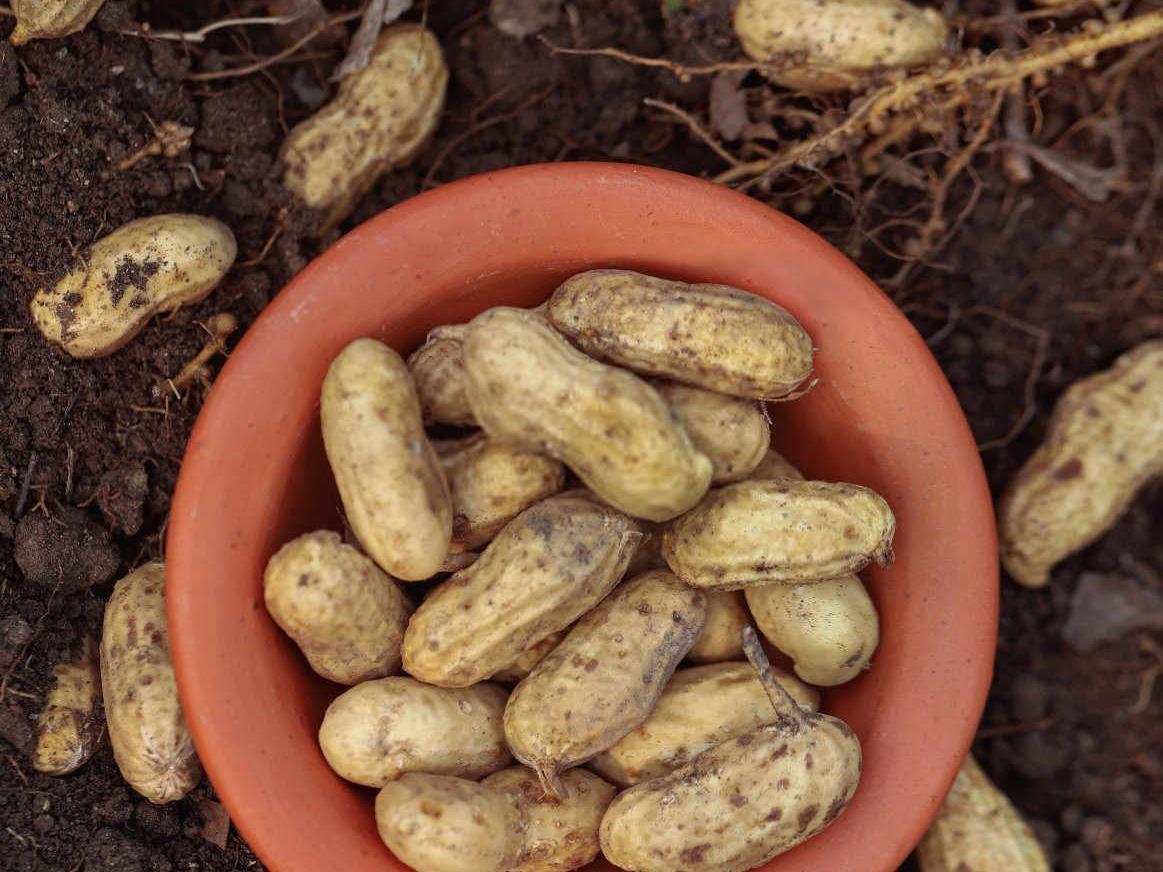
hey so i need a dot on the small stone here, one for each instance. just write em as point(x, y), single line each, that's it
point(1107, 607)
point(522, 18)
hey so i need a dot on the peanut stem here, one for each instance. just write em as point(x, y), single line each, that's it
point(788, 714)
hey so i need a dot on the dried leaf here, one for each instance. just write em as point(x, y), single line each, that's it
point(377, 14)
point(728, 105)
point(215, 822)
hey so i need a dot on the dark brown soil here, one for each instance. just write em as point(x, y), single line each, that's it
point(89, 450)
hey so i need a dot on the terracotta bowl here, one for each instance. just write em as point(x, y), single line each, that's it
point(883, 415)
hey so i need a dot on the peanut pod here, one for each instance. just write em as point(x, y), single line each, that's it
point(733, 433)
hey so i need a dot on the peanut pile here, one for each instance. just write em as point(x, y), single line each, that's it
point(616, 510)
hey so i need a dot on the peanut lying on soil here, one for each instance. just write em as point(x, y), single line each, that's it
point(50, 19)
point(711, 336)
point(69, 728)
point(547, 567)
point(343, 612)
point(1104, 442)
point(390, 481)
point(379, 729)
point(604, 678)
point(978, 828)
point(144, 267)
point(700, 707)
point(151, 743)
point(840, 41)
point(743, 801)
point(379, 120)
point(763, 532)
point(529, 387)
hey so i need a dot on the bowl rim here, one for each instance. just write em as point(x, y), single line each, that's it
point(190, 505)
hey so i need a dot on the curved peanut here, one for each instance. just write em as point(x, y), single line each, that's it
point(762, 532)
point(389, 478)
point(124, 279)
point(1104, 442)
point(558, 834)
point(531, 388)
point(549, 566)
point(742, 802)
point(151, 743)
point(343, 612)
point(711, 336)
point(700, 707)
point(379, 120)
point(491, 483)
point(380, 729)
point(733, 433)
point(437, 823)
point(438, 371)
point(605, 677)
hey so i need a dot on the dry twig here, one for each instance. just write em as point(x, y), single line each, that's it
point(697, 129)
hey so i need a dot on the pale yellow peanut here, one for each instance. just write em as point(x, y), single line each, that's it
point(346, 615)
point(144, 267)
point(380, 729)
point(604, 678)
point(774, 466)
point(393, 490)
point(69, 729)
point(835, 44)
point(979, 828)
point(721, 640)
point(438, 371)
point(439, 823)
point(743, 801)
point(151, 743)
point(530, 657)
point(50, 19)
point(1103, 443)
point(559, 834)
point(779, 531)
point(379, 120)
point(711, 336)
point(491, 483)
point(732, 432)
point(547, 567)
point(700, 707)
point(529, 387)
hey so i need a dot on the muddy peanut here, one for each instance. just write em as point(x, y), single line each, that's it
point(841, 41)
point(68, 729)
point(711, 336)
point(439, 374)
point(733, 433)
point(437, 823)
point(762, 532)
point(605, 677)
point(380, 729)
point(547, 567)
point(50, 19)
point(531, 388)
point(142, 268)
point(491, 483)
point(380, 119)
point(701, 707)
point(978, 828)
point(343, 612)
point(745, 800)
point(830, 629)
point(389, 478)
point(1104, 441)
point(558, 834)
point(721, 636)
point(151, 743)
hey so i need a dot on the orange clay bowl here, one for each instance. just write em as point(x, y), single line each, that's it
point(883, 415)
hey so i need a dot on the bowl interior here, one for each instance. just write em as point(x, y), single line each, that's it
point(883, 416)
